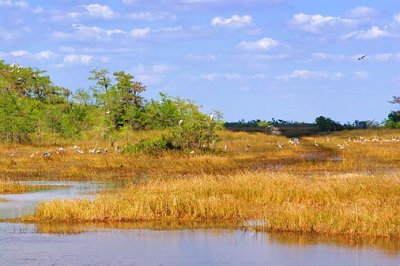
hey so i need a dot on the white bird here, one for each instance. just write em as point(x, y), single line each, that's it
point(280, 145)
point(340, 146)
point(315, 143)
point(180, 122)
point(192, 153)
point(47, 155)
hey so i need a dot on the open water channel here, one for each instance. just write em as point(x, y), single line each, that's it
point(146, 244)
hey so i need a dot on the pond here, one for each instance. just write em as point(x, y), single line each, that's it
point(150, 244)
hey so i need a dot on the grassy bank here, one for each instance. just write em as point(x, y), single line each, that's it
point(342, 204)
point(17, 188)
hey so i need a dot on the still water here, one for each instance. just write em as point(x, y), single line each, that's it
point(147, 244)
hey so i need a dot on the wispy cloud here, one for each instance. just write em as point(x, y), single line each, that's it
point(362, 12)
point(84, 32)
point(318, 23)
point(326, 56)
point(373, 33)
point(308, 74)
point(233, 22)
point(151, 16)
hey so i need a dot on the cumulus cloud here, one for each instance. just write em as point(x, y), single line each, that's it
point(307, 74)
point(317, 23)
point(233, 22)
point(263, 44)
point(373, 33)
point(101, 11)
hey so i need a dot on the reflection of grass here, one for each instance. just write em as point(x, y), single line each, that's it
point(390, 246)
point(3, 200)
point(16, 188)
point(344, 204)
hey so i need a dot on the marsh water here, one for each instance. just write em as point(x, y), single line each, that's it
point(168, 244)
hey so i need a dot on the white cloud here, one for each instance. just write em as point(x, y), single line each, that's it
point(44, 55)
point(201, 57)
point(210, 76)
point(88, 33)
point(73, 59)
point(307, 74)
point(362, 12)
point(263, 44)
point(149, 16)
point(234, 22)
point(13, 3)
point(372, 33)
point(317, 23)
point(6, 35)
point(325, 56)
point(383, 57)
point(397, 18)
point(361, 74)
point(169, 29)
point(140, 33)
point(97, 10)
point(19, 53)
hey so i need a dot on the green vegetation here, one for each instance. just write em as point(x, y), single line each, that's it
point(34, 110)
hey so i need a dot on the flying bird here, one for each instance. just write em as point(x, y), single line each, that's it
point(362, 57)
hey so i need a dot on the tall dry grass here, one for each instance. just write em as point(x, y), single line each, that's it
point(7, 187)
point(343, 204)
point(244, 152)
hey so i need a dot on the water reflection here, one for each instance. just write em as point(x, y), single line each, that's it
point(19, 205)
point(109, 244)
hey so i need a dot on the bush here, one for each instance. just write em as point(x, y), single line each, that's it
point(149, 146)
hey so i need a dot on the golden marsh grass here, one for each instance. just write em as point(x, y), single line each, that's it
point(315, 186)
point(342, 204)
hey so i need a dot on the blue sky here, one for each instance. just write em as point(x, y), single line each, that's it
point(282, 59)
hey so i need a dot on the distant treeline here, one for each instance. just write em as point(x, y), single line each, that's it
point(321, 123)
